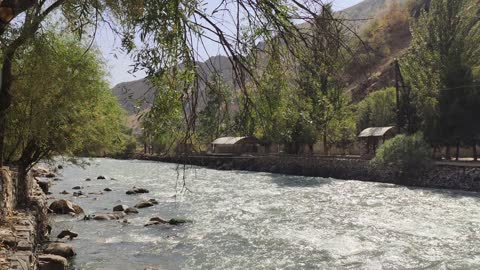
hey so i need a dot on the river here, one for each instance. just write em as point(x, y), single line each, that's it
point(245, 220)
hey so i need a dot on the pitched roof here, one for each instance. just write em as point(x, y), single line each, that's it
point(234, 140)
point(375, 132)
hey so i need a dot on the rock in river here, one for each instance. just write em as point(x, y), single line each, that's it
point(77, 187)
point(144, 204)
point(131, 210)
point(137, 191)
point(52, 262)
point(120, 208)
point(60, 249)
point(68, 234)
point(101, 177)
point(44, 186)
point(65, 207)
point(114, 216)
point(107, 189)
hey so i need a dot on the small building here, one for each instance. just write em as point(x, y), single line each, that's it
point(375, 136)
point(235, 145)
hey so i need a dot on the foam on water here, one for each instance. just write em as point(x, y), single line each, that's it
point(246, 220)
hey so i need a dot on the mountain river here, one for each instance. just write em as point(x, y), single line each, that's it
point(245, 220)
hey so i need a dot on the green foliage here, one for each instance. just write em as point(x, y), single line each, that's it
point(214, 119)
point(62, 104)
point(164, 124)
point(440, 69)
point(377, 109)
point(406, 155)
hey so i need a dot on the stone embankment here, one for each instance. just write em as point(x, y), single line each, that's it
point(21, 231)
point(439, 176)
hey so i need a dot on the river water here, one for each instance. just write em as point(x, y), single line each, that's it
point(246, 220)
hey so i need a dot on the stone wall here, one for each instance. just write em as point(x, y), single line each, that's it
point(21, 230)
point(439, 176)
point(7, 191)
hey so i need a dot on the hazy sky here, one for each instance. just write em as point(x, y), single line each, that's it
point(119, 65)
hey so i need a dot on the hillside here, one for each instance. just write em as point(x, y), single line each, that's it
point(365, 11)
point(361, 77)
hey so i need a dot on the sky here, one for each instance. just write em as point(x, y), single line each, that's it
point(119, 65)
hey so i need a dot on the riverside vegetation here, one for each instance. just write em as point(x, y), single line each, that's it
point(294, 88)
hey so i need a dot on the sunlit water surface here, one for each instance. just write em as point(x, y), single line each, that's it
point(248, 220)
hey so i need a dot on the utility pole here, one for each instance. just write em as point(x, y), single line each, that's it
point(404, 108)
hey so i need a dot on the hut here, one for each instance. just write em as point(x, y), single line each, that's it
point(375, 136)
point(234, 145)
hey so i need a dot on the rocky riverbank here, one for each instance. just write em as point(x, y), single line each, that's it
point(21, 231)
point(438, 176)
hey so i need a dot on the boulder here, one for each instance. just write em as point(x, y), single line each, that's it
point(156, 221)
point(159, 219)
point(52, 262)
point(44, 186)
point(88, 179)
point(107, 189)
point(120, 208)
point(144, 204)
point(77, 187)
point(178, 221)
point(78, 194)
point(141, 190)
point(68, 234)
point(114, 216)
point(39, 171)
point(101, 177)
point(152, 223)
point(137, 191)
point(153, 201)
point(60, 249)
point(65, 192)
point(60, 167)
point(64, 207)
point(131, 210)
point(102, 217)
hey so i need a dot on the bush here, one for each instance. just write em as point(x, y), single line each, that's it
point(406, 155)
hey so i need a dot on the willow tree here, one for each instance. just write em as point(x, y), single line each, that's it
point(61, 105)
point(159, 34)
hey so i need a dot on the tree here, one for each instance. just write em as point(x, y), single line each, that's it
point(439, 68)
point(271, 95)
point(215, 118)
point(377, 109)
point(168, 31)
point(320, 64)
point(61, 105)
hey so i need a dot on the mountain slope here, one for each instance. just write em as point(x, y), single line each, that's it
point(137, 96)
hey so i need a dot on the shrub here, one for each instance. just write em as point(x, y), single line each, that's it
point(406, 155)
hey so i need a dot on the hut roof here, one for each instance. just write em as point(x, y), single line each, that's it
point(375, 132)
point(235, 140)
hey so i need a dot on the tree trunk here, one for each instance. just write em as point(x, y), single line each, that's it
point(23, 186)
point(448, 155)
point(310, 148)
point(325, 143)
point(475, 155)
point(5, 100)
point(457, 154)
